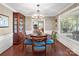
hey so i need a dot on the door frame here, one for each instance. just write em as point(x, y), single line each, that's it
point(38, 20)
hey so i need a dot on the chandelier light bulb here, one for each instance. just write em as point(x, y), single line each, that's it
point(37, 15)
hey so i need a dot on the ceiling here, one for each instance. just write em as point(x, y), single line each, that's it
point(46, 9)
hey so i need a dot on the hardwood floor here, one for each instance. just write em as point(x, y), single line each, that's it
point(17, 50)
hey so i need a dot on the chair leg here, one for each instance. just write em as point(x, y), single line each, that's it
point(32, 51)
point(24, 47)
point(53, 46)
point(45, 53)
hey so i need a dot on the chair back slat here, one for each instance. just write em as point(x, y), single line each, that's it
point(39, 39)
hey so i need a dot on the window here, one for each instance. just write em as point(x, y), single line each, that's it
point(69, 25)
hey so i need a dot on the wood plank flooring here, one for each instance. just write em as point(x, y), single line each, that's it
point(17, 50)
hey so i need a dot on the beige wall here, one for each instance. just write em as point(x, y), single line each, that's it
point(9, 13)
point(28, 21)
point(50, 23)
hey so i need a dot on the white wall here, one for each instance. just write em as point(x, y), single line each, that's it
point(6, 41)
point(6, 36)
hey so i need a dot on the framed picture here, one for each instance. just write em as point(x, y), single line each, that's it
point(3, 21)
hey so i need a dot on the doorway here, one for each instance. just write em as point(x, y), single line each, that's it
point(39, 23)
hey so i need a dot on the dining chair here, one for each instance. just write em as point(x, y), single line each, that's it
point(39, 44)
point(27, 41)
point(51, 41)
point(54, 37)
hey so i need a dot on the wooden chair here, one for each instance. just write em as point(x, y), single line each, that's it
point(26, 41)
point(39, 44)
point(50, 42)
point(54, 37)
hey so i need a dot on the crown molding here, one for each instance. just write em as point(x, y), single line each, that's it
point(8, 7)
point(65, 8)
point(70, 11)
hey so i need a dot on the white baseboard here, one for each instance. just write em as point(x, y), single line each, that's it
point(6, 41)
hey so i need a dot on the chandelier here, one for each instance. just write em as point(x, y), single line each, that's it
point(37, 15)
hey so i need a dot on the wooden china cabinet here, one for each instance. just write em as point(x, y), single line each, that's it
point(18, 27)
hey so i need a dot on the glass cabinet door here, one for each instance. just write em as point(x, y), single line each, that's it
point(21, 25)
point(15, 25)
